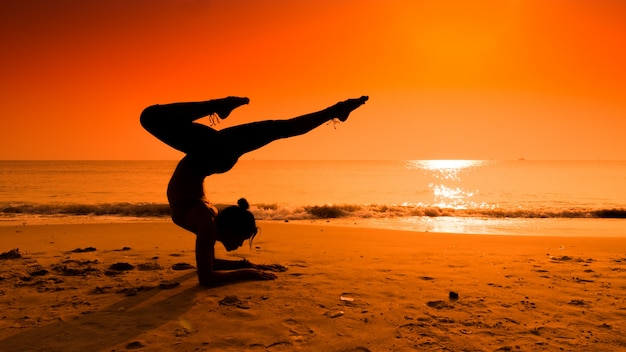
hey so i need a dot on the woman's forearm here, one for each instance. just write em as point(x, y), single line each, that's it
point(223, 264)
point(222, 277)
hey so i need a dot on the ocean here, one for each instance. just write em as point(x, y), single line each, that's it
point(461, 196)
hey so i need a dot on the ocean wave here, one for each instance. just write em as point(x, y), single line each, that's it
point(282, 212)
point(120, 209)
point(275, 212)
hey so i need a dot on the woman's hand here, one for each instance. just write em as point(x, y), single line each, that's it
point(260, 275)
point(270, 267)
point(266, 267)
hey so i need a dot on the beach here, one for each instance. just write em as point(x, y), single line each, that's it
point(132, 286)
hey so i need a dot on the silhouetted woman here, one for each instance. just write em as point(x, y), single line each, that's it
point(209, 151)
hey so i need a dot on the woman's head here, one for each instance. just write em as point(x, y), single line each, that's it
point(235, 224)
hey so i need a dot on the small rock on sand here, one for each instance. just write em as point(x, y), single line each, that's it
point(135, 345)
point(182, 266)
point(83, 250)
point(334, 313)
point(230, 301)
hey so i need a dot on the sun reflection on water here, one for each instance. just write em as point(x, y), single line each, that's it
point(448, 187)
point(445, 169)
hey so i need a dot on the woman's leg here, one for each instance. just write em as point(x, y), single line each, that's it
point(248, 137)
point(174, 123)
point(217, 151)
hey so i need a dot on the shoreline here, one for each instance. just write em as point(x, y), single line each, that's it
point(542, 227)
point(346, 289)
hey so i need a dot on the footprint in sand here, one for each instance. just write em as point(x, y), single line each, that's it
point(420, 333)
point(75, 267)
point(149, 266)
point(439, 305)
point(300, 333)
point(37, 270)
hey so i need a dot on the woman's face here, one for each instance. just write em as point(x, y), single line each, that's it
point(233, 241)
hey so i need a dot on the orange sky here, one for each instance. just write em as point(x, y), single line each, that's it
point(446, 79)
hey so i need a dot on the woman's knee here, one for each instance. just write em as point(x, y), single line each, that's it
point(150, 117)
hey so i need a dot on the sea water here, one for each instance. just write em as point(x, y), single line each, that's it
point(461, 196)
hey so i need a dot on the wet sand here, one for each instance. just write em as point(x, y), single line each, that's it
point(119, 287)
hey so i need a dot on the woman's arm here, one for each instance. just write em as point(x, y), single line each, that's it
point(208, 266)
point(223, 264)
point(208, 277)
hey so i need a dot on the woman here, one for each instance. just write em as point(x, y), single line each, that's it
point(209, 151)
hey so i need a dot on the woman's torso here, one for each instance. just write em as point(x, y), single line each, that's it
point(186, 184)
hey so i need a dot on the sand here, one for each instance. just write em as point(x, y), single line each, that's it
point(346, 289)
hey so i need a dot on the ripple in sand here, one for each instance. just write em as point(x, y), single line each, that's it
point(167, 285)
point(439, 305)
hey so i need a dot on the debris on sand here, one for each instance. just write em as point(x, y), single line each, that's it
point(121, 266)
point(182, 266)
point(83, 250)
point(12, 254)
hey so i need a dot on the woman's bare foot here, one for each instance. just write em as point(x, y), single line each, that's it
point(225, 106)
point(342, 110)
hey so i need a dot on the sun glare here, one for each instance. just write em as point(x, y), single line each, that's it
point(447, 186)
point(444, 169)
point(447, 164)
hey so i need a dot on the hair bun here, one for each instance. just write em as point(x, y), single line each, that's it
point(243, 204)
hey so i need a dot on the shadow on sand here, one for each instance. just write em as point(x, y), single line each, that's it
point(110, 326)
